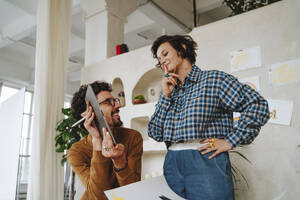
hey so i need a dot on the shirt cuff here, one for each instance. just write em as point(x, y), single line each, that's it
point(99, 158)
point(164, 102)
point(122, 172)
point(232, 140)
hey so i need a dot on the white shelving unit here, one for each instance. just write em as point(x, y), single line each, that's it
point(137, 117)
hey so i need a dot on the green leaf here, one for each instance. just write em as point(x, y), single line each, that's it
point(66, 111)
point(63, 161)
point(139, 97)
point(61, 149)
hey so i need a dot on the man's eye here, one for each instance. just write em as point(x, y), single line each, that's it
point(165, 54)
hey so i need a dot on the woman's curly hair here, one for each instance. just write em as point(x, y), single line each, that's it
point(183, 44)
point(78, 104)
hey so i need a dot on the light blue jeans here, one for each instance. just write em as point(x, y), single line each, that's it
point(195, 177)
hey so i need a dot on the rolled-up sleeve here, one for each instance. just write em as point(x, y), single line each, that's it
point(156, 124)
point(253, 108)
point(132, 172)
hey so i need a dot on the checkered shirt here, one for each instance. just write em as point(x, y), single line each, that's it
point(202, 108)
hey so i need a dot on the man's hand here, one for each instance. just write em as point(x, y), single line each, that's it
point(90, 126)
point(219, 146)
point(116, 153)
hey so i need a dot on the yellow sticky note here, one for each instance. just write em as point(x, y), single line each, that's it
point(117, 198)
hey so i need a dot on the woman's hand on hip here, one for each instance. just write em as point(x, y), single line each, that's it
point(216, 145)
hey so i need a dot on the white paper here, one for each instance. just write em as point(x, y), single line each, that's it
point(245, 58)
point(236, 117)
point(285, 72)
point(280, 111)
point(252, 81)
point(149, 189)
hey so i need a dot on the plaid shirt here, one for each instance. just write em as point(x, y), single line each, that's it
point(202, 108)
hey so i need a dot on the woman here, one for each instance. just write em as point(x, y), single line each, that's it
point(193, 117)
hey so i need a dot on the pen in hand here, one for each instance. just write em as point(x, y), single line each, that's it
point(79, 121)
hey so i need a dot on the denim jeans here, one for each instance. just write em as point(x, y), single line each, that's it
point(193, 176)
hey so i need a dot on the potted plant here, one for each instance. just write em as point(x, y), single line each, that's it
point(139, 99)
point(241, 6)
point(66, 137)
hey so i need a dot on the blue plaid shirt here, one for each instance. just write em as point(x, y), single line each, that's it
point(202, 108)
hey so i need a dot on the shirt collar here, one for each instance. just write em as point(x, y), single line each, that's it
point(194, 73)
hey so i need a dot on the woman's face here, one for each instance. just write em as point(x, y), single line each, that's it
point(168, 57)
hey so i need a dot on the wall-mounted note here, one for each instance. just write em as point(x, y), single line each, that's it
point(280, 111)
point(285, 72)
point(245, 59)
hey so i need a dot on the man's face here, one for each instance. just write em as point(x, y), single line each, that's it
point(168, 57)
point(110, 108)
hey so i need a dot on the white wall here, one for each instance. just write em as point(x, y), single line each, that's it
point(275, 168)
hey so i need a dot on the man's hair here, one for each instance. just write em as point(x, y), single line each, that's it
point(183, 44)
point(78, 104)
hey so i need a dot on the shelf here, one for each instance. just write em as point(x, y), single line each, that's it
point(151, 146)
point(117, 87)
point(149, 85)
point(140, 110)
point(140, 124)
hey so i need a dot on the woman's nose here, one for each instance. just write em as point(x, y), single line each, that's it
point(163, 62)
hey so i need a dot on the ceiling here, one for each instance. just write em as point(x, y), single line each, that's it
point(151, 19)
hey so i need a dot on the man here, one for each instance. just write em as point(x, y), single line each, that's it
point(193, 117)
point(100, 165)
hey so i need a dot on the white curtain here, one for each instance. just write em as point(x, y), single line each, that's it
point(53, 31)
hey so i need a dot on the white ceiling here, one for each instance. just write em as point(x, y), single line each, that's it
point(151, 19)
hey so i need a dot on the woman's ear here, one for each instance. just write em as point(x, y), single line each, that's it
point(182, 53)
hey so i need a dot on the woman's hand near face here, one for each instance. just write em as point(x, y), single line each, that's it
point(169, 82)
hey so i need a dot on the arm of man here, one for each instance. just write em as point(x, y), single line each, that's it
point(253, 107)
point(156, 124)
point(132, 171)
point(95, 174)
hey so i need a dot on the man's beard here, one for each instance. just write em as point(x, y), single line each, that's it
point(117, 123)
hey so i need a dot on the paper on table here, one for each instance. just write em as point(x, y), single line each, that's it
point(150, 189)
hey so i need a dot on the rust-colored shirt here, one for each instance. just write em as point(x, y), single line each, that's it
point(97, 173)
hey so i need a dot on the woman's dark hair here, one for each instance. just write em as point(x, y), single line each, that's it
point(78, 104)
point(183, 44)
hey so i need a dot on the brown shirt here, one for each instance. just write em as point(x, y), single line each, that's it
point(97, 173)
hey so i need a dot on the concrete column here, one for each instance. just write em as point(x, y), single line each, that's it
point(104, 27)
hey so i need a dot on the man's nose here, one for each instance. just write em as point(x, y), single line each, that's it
point(117, 104)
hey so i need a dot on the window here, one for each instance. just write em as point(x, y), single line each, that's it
point(25, 150)
point(27, 131)
point(7, 92)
